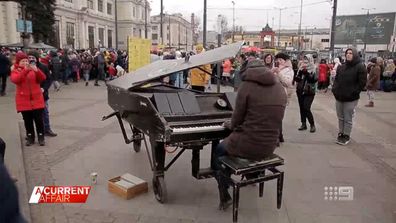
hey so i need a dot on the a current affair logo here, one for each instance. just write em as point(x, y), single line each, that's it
point(59, 194)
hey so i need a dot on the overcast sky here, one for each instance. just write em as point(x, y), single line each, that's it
point(253, 14)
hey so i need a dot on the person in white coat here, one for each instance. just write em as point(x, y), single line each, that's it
point(284, 71)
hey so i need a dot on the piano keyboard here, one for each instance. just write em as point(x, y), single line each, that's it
point(197, 129)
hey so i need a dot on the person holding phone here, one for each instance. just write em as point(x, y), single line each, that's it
point(29, 97)
point(283, 70)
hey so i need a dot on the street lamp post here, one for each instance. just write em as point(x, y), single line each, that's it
point(365, 31)
point(204, 25)
point(299, 27)
point(312, 33)
point(280, 23)
point(233, 21)
point(332, 30)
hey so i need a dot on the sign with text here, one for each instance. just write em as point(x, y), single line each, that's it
point(138, 52)
point(355, 29)
point(59, 194)
point(20, 25)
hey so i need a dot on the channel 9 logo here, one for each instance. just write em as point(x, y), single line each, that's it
point(343, 193)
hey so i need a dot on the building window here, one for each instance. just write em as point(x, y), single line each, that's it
point(91, 37)
point(101, 36)
point(70, 34)
point(143, 14)
point(109, 8)
point(90, 4)
point(134, 12)
point(154, 36)
point(155, 27)
point(109, 38)
point(167, 27)
point(134, 31)
point(167, 36)
point(325, 40)
point(100, 5)
point(71, 1)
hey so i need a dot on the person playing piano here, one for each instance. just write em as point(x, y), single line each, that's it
point(255, 122)
point(198, 77)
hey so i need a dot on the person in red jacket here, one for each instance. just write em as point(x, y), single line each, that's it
point(29, 98)
point(323, 75)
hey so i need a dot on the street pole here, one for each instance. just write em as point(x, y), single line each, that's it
point(161, 25)
point(204, 25)
point(145, 19)
point(299, 27)
point(116, 23)
point(312, 37)
point(233, 21)
point(280, 23)
point(365, 32)
point(333, 24)
point(218, 70)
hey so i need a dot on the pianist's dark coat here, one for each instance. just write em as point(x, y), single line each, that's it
point(258, 114)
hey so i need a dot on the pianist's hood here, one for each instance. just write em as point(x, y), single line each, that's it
point(163, 68)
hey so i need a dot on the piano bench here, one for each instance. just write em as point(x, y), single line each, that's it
point(252, 172)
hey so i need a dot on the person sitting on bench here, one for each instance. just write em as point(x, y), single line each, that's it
point(255, 122)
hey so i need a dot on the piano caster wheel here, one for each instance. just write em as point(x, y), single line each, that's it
point(159, 188)
point(137, 145)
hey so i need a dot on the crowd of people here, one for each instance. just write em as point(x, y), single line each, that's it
point(264, 86)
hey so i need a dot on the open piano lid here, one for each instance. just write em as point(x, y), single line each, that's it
point(163, 68)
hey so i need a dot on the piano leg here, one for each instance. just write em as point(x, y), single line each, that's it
point(213, 149)
point(159, 186)
point(137, 137)
point(195, 162)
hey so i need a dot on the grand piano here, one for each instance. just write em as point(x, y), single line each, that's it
point(171, 116)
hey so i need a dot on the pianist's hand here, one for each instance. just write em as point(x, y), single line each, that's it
point(227, 124)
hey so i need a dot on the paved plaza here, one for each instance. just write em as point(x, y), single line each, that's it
point(86, 144)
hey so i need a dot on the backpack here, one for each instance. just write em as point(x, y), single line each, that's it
point(56, 65)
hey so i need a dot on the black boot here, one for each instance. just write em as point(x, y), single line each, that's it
point(312, 129)
point(29, 139)
point(225, 197)
point(303, 127)
point(41, 139)
point(50, 133)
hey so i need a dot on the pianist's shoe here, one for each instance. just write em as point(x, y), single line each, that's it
point(226, 203)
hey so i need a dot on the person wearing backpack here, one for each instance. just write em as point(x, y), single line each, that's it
point(55, 66)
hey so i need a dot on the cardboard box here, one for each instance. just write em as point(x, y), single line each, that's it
point(126, 189)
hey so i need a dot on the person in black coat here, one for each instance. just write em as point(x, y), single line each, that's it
point(9, 205)
point(45, 86)
point(350, 80)
point(306, 79)
point(5, 71)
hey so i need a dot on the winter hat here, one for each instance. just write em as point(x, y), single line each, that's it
point(282, 56)
point(20, 56)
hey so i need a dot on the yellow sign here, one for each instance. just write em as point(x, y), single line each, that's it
point(138, 52)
